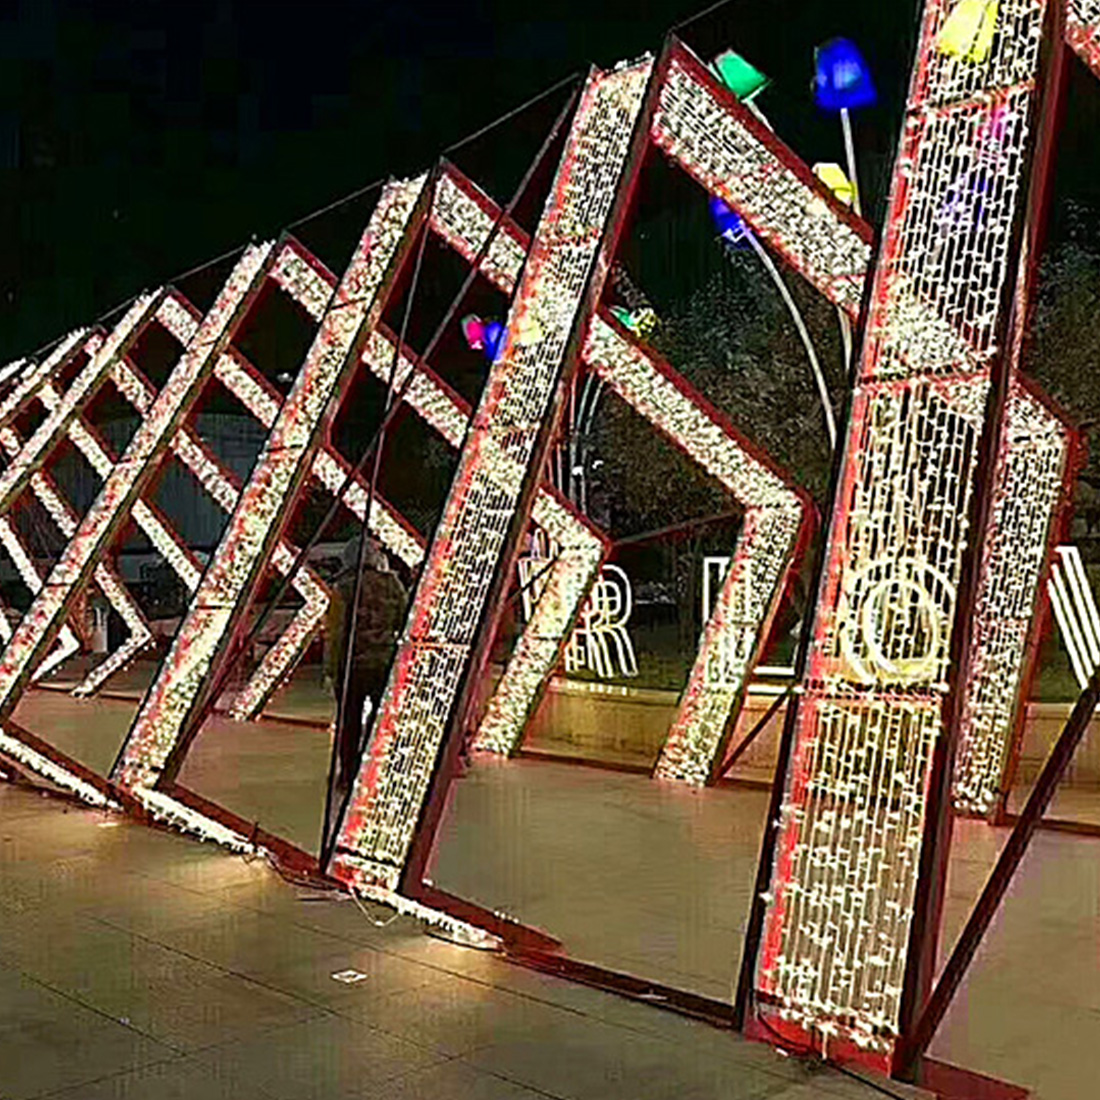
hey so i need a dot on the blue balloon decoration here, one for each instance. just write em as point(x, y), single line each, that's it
point(494, 338)
point(731, 226)
point(842, 80)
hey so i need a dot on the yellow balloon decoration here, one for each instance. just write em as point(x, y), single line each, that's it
point(968, 31)
point(832, 175)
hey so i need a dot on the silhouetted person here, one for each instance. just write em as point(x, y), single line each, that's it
point(382, 602)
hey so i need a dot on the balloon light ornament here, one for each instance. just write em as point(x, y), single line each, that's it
point(842, 79)
point(740, 76)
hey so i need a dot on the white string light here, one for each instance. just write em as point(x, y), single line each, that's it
point(1031, 470)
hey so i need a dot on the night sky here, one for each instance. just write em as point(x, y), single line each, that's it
point(140, 138)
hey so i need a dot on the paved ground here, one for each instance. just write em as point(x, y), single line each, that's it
point(141, 964)
point(628, 874)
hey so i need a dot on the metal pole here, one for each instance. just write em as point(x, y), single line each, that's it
point(756, 730)
point(850, 154)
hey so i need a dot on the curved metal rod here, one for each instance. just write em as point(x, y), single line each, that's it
point(803, 332)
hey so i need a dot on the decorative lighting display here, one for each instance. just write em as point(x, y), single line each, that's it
point(775, 517)
point(223, 488)
point(262, 508)
point(839, 911)
point(742, 618)
point(167, 543)
point(563, 274)
point(128, 477)
point(329, 468)
point(31, 455)
point(579, 551)
point(727, 149)
point(601, 634)
point(1083, 30)
point(181, 320)
point(1032, 480)
point(834, 951)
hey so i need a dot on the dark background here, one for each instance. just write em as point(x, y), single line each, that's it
point(140, 138)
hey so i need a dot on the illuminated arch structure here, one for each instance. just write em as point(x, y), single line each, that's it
point(840, 945)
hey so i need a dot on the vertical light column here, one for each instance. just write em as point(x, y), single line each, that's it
point(129, 476)
point(175, 699)
point(1031, 490)
point(1083, 30)
point(834, 955)
point(556, 293)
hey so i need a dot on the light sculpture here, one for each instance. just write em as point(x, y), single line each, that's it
point(26, 389)
point(397, 837)
point(1033, 479)
point(293, 270)
point(1035, 467)
point(843, 951)
point(659, 395)
point(654, 390)
point(838, 922)
point(734, 156)
point(224, 488)
point(140, 636)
